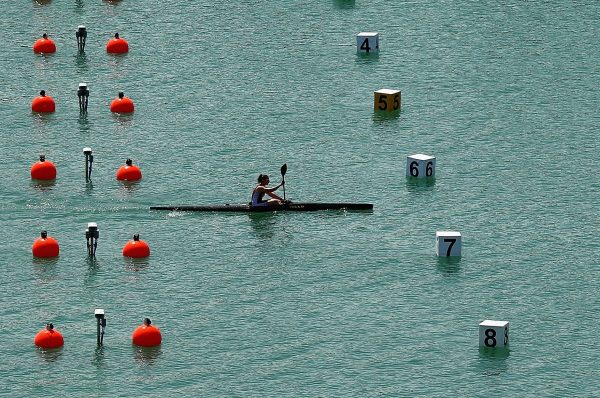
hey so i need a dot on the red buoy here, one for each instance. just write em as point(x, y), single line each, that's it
point(121, 104)
point(136, 248)
point(43, 103)
point(45, 246)
point(44, 45)
point(117, 45)
point(43, 170)
point(49, 338)
point(129, 172)
point(146, 335)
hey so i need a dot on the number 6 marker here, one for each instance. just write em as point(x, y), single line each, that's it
point(420, 166)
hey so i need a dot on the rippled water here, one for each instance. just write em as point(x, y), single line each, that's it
point(505, 95)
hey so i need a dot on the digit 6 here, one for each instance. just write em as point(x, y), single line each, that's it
point(429, 169)
point(414, 169)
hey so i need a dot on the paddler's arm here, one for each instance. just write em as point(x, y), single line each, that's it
point(275, 188)
point(274, 196)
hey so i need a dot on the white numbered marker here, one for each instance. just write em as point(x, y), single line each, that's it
point(420, 166)
point(448, 243)
point(367, 42)
point(493, 334)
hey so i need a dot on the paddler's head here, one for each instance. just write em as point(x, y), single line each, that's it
point(263, 179)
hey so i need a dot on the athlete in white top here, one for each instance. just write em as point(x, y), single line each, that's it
point(261, 189)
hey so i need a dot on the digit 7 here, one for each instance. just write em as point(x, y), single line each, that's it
point(452, 242)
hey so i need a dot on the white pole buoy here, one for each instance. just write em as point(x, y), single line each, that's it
point(89, 159)
point(83, 94)
point(81, 35)
point(100, 324)
point(92, 234)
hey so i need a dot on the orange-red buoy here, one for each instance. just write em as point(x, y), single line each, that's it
point(45, 246)
point(44, 45)
point(43, 170)
point(43, 103)
point(122, 104)
point(117, 45)
point(146, 335)
point(136, 248)
point(129, 172)
point(49, 338)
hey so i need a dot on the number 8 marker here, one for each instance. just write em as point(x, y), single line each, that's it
point(493, 334)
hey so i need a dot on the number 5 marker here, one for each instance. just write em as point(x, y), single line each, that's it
point(386, 100)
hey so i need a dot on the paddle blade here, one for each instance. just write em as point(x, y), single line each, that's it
point(283, 169)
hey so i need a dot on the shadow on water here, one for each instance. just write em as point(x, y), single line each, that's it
point(128, 187)
point(81, 61)
point(493, 361)
point(263, 224)
point(344, 4)
point(116, 58)
point(42, 61)
point(146, 356)
point(98, 359)
point(124, 120)
point(46, 263)
point(83, 122)
point(49, 355)
point(417, 185)
point(41, 120)
point(93, 266)
point(448, 265)
point(136, 264)
point(386, 117)
point(367, 58)
point(42, 185)
point(45, 268)
point(89, 187)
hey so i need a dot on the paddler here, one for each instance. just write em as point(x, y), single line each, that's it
point(261, 189)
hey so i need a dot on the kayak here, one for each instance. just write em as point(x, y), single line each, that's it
point(246, 208)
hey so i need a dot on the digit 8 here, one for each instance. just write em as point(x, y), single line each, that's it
point(490, 334)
